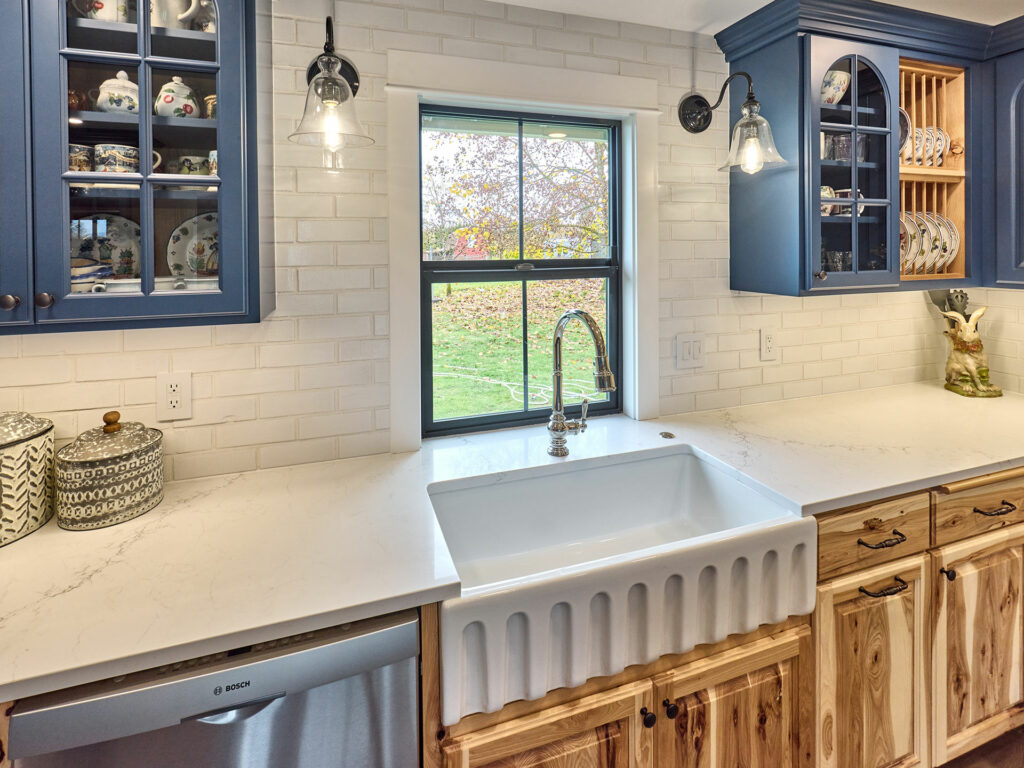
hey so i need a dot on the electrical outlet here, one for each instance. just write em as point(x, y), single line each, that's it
point(173, 396)
point(689, 350)
point(769, 349)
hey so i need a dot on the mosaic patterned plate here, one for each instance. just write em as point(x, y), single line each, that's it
point(192, 250)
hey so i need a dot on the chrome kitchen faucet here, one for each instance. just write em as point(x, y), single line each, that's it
point(604, 381)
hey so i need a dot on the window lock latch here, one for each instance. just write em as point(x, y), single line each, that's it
point(524, 266)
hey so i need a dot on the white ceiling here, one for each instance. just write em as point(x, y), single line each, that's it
point(711, 16)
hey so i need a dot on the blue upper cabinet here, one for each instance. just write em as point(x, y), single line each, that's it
point(1009, 177)
point(15, 192)
point(144, 163)
point(881, 113)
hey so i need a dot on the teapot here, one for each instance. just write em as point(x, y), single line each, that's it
point(173, 14)
point(118, 94)
point(176, 99)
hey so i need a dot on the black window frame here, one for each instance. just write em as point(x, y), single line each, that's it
point(525, 271)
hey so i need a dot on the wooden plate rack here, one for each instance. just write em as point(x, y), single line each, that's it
point(934, 96)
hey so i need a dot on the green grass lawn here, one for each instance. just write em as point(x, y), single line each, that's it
point(478, 345)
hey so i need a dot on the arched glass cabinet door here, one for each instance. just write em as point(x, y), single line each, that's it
point(139, 159)
point(853, 157)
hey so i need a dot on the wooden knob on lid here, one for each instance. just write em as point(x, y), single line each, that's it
point(110, 422)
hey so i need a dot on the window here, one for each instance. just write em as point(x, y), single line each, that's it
point(520, 222)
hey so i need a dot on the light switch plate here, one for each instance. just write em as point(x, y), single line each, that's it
point(173, 396)
point(689, 350)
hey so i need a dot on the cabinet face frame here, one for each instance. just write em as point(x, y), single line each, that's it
point(15, 186)
point(784, 658)
point(963, 558)
point(1009, 170)
point(843, 593)
point(554, 733)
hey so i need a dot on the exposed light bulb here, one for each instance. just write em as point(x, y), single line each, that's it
point(753, 156)
point(332, 128)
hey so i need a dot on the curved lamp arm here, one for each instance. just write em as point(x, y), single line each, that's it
point(695, 111)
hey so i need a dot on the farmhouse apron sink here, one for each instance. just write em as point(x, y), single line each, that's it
point(578, 570)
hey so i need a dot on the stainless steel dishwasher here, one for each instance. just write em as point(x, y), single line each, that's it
point(345, 697)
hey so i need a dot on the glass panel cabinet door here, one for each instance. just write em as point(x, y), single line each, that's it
point(1010, 170)
point(138, 165)
point(15, 246)
point(853, 160)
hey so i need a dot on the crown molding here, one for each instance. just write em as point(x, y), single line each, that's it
point(868, 21)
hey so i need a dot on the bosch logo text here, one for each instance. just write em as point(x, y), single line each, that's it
point(232, 687)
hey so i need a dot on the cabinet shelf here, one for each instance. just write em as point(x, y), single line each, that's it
point(847, 164)
point(928, 173)
point(119, 36)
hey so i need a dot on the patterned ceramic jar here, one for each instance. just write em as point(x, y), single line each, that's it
point(176, 99)
point(834, 85)
point(102, 10)
point(26, 474)
point(211, 106)
point(109, 475)
point(119, 94)
point(79, 157)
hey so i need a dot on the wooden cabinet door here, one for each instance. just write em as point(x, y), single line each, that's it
point(870, 634)
point(604, 730)
point(978, 682)
point(736, 708)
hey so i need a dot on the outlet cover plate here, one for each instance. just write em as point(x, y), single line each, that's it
point(769, 344)
point(173, 396)
point(689, 350)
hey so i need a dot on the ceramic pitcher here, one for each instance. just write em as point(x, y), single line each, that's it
point(173, 14)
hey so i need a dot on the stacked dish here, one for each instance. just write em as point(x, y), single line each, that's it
point(928, 146)
point(929, 242)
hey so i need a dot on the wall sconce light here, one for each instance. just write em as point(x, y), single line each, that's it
point(752, 147)
point(330, 119)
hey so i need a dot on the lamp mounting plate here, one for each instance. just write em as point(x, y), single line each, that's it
point(695, 113)
point(347, 70)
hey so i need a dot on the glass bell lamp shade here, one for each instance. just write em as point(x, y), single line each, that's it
point(329, 120)
point(752, 147)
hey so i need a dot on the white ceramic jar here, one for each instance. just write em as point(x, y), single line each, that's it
point(119, 94)
point(26, 474)
point(176, 99)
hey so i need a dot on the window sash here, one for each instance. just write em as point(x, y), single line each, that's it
point(525, 271)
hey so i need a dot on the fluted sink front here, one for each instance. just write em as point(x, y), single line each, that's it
point(578, 570)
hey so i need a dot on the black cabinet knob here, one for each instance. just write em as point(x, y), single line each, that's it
point(949, 573)
point(9, 303)
point(649, 718)
point(45, 300)
point(671, 709)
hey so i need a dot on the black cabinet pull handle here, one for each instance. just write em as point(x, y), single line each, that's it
point(895, 589)
point(1005, 509)
point(649, 718)
point(9, 302)
point(45, 300)
point(949, 573)
point(671, 709)
point(885, 543)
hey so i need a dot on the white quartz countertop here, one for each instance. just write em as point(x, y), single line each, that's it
point(239, 559)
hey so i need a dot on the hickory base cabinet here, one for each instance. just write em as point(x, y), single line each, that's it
point(977, 658)
point(736, 708)
point(735, 703)
point(606, 729)
point(871, 640)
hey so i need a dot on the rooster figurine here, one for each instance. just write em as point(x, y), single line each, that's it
point(967, 365)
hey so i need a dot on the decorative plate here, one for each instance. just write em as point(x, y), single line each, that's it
point(946, 145)
point(945, 239)
point(933, 243)
point(111, 240)
point(192, 250)
point(954, 247)
point(825, 192)
point(904, 129)
point(912, 244)
point(918, 146)
point(922, 241)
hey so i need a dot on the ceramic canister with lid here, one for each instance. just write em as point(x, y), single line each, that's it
point(109, 475)
point(26, 474)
